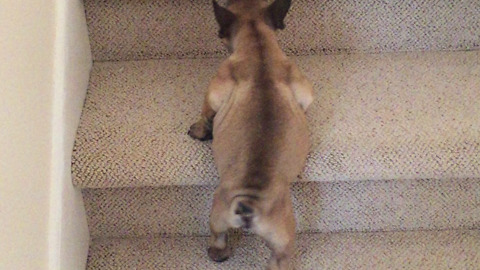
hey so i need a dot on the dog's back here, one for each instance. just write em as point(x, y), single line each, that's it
point(261, 136)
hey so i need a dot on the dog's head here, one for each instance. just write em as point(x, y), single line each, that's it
point(239, 12)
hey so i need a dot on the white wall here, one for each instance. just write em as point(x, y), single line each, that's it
point(44, 66)
point(68, 227)
point(26, 91)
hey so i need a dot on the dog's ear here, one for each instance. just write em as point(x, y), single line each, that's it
point(276, 13)
point(225, 18)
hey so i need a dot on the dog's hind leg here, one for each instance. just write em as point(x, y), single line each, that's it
point(280, 237)
point(218, 90)
point(218, 249)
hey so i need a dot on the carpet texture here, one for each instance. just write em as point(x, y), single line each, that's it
point(421, 250)
point(376, 117)
point(148, 29)
point(319, 207)
point(395, 136)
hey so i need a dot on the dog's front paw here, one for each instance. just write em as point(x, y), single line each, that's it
point(200, 131)
point(219, 255)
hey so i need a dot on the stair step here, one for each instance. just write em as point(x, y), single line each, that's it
point(454, 249)
point(395, 136)
point(376, 117)
point(152, 29)
point(318, 206)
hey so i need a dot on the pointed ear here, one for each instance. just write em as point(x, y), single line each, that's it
point(277, 11)
point(225, 18)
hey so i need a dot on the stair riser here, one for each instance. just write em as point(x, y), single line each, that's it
point(134, 30)
point(319, 206)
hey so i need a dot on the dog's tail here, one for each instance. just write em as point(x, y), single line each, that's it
point(245, 206)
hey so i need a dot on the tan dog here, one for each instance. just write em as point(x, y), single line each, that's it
point(255, 107)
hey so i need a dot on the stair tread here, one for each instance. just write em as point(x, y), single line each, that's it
point(149, 29)
point(451, 249)
point(376, 117)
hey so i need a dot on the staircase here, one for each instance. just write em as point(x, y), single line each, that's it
point(393, 178)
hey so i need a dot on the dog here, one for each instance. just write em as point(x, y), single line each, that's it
point(254, 110)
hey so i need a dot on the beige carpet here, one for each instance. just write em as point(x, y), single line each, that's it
point(395, 136)
point(319, 206)
point(421, 250)
point(376, 117)
point(152, 29)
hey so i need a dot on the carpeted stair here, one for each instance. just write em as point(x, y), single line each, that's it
point(393, 178)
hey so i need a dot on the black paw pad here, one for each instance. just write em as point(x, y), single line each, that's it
point(218, 255)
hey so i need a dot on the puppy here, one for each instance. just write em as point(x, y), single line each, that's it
point(255, 111)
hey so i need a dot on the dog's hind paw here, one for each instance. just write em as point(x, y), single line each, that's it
point(200, 131)
point(219, 255)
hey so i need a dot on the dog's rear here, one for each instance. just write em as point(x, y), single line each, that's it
point(256, 107)
point(243, 209)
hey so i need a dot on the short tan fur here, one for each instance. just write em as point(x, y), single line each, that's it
point(255, 110)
